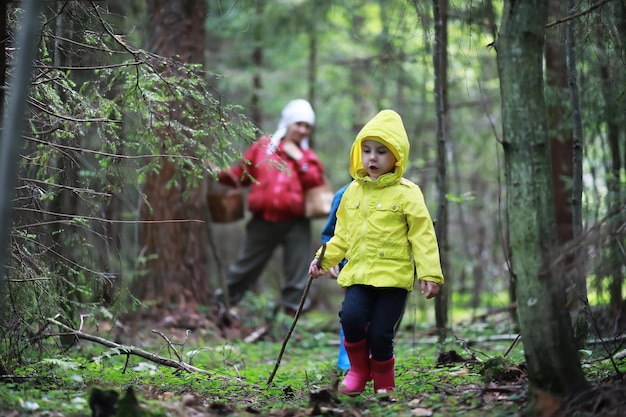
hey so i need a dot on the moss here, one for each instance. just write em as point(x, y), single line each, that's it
point(500, 369)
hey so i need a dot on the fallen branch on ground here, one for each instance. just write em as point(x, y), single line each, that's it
point(132, 350)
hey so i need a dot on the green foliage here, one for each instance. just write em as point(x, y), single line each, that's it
point(103, 117)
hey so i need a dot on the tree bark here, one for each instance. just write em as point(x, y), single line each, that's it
point(579, 262)
point(4, 43)
point(559, 130)
point(612, 74)
point(562, 151)
point(312, 73)
point(257, 61)
point(175, 243)
point(440, 59)
point(551, 356)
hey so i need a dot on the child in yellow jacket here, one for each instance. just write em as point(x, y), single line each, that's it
point(385, 232)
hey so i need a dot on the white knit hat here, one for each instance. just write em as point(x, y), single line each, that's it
point(295, 111)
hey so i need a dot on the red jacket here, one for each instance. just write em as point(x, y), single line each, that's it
point(277, 182)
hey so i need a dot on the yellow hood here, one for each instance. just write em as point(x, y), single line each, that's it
point(387, 128)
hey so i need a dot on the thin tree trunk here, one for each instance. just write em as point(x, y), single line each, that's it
point(257, 60)
point(312, 73)
point(13, 123)
point(551, 355)
point(440, 59)
point(579, 264)
point(358, 80)
point(577, 133)
point(562, 151)
point(4, 40)
point(611, 76)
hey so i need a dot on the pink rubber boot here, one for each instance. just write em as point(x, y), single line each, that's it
point(383, 373)
point(354, 382)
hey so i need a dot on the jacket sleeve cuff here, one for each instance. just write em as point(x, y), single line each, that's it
point(436, 280)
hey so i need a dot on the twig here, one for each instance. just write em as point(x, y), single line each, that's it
point(442, 387)
point(131, 350)
point(126, 364)
point(101, 153)
point(519, 336)
point(103, 220)
point(295, 318)
point(574, 16)
point(169, 343)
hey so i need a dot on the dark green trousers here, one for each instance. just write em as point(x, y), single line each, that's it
point(261, 240)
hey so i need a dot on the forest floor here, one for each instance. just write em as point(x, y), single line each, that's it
point(208, 365)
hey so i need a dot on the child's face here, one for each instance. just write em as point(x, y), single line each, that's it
point(377, 159)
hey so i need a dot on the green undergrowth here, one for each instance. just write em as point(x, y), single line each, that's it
point(237, 373)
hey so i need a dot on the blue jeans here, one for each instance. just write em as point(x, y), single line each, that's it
point(372, 313)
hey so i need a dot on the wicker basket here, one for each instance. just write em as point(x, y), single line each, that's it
point(226, 204)
point(318, 201)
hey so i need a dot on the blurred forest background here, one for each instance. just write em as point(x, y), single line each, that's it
point(130, 98)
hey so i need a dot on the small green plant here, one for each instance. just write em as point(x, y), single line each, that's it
point(500, 369)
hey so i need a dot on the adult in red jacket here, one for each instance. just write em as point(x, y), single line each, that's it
point(278, 169)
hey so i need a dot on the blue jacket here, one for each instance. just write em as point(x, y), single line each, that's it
point(329, 228)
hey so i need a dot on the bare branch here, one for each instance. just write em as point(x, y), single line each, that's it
point(89, 68)
point(577, 15)
point(169, 343)
point(131, 350)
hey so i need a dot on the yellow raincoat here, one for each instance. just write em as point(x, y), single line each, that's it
point(383, 227)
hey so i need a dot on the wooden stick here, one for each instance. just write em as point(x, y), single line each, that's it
point(295, 318)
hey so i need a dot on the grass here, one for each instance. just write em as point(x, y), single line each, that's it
point(61, 384)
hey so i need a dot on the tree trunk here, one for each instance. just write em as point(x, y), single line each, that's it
point(257, 60)
point(559, 130)
point(312, 73)
point(612, 74)
point(4, 43)
point(579, 275)
point(174, 243)
point(551, 355)
point(440, 59)
point(361, 87)
point(577, 133)
point(562, 151)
